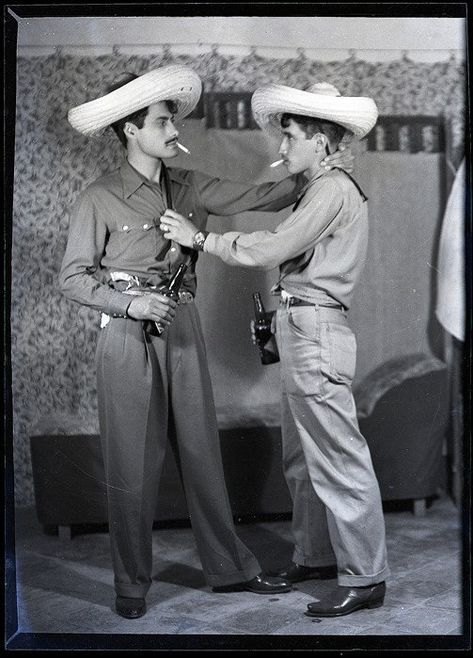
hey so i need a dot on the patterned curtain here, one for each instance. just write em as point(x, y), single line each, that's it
point(53, 164)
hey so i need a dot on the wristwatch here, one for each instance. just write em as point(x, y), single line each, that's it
point(199, 239)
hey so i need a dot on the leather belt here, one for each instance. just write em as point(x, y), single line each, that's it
point(132, 286)
point(295, 301)
point(290, 300)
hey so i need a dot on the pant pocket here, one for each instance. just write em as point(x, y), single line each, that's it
point(303, 322)
point(338, 361)
point(300, 349)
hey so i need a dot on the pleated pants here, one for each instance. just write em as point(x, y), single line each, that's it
point(151, 387)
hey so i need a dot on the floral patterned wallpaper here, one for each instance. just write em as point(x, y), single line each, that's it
point(53, 341)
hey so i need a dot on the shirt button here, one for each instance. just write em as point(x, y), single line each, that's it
point(191, 214)
point(125, 227)
point(173, 249)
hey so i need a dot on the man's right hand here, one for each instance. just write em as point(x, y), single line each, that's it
point(153, 306)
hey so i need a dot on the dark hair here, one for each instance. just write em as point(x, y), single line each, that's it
point(138, 117)
point(310, 125)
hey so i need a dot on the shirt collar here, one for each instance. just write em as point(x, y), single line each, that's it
point(179, 176)
point(312, 180)
point(132, 179)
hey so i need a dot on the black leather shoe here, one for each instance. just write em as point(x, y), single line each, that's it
point(261, 584)
point(348, 599)
point(296, 573)
point(130, 608)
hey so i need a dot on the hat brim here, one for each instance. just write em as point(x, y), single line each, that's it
point(355, 113)
point(174, 83)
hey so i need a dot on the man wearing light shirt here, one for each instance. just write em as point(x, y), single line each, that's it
point(338, 523)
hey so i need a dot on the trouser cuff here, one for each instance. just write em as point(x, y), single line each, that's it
point(240, 576)
point(350, 580)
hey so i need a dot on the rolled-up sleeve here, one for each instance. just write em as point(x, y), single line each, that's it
point(84, 250)
point(223, 197)
point(315, 218)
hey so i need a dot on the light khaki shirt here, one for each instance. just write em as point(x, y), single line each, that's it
point(320, 248)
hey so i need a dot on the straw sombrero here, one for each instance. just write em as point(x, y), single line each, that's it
point(177, 83)
point(322, 101)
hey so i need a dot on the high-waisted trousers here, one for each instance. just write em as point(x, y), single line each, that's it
point(151, 387)
point(337, 509)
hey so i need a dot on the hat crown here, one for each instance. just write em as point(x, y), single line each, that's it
point(174, 82)
point(323, 89)
point(321, 100)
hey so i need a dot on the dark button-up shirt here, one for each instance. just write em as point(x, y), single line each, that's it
point(321, 247)
point(114, 226)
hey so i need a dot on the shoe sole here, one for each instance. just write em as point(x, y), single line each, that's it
point(238, 588)
point(371, 605)
point(135, 616)
point(280, 590)
point(303, 580)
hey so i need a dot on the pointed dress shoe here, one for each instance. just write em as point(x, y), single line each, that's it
point(260, 584)
point(348, 599)
point(297, 573)
point(130, 608)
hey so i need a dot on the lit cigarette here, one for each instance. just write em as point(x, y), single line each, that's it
point(183, 148)
point(277, 163)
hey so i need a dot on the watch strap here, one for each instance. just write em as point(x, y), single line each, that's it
point(199, 239)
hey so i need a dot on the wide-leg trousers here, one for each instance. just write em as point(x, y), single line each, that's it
point(147, 385)
point(337, 509)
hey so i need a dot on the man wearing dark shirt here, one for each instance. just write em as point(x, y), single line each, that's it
point(152, 386)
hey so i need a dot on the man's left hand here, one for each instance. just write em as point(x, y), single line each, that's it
point(342, 158)
point(178, 228)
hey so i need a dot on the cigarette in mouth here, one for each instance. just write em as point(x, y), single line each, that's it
point(183, 148)
point(277, 163)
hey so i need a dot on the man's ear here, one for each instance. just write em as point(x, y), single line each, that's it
point(320, 141)
point(129, 129)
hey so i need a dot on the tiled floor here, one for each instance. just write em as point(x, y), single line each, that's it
point(65, 586)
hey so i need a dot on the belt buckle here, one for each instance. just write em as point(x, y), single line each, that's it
point(104, 320)
point(185, 297)
point(124, 276)
point(286, 299)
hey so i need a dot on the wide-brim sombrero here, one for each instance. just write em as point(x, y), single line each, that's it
point(175, 82)
point(322, 101)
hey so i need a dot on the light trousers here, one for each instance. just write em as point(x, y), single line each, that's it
point(337, 509)
point(151, 388)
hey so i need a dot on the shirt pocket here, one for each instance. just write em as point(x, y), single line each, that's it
point(140, 225)
point(139, 238)
point(198, 216)
point(193, 214)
